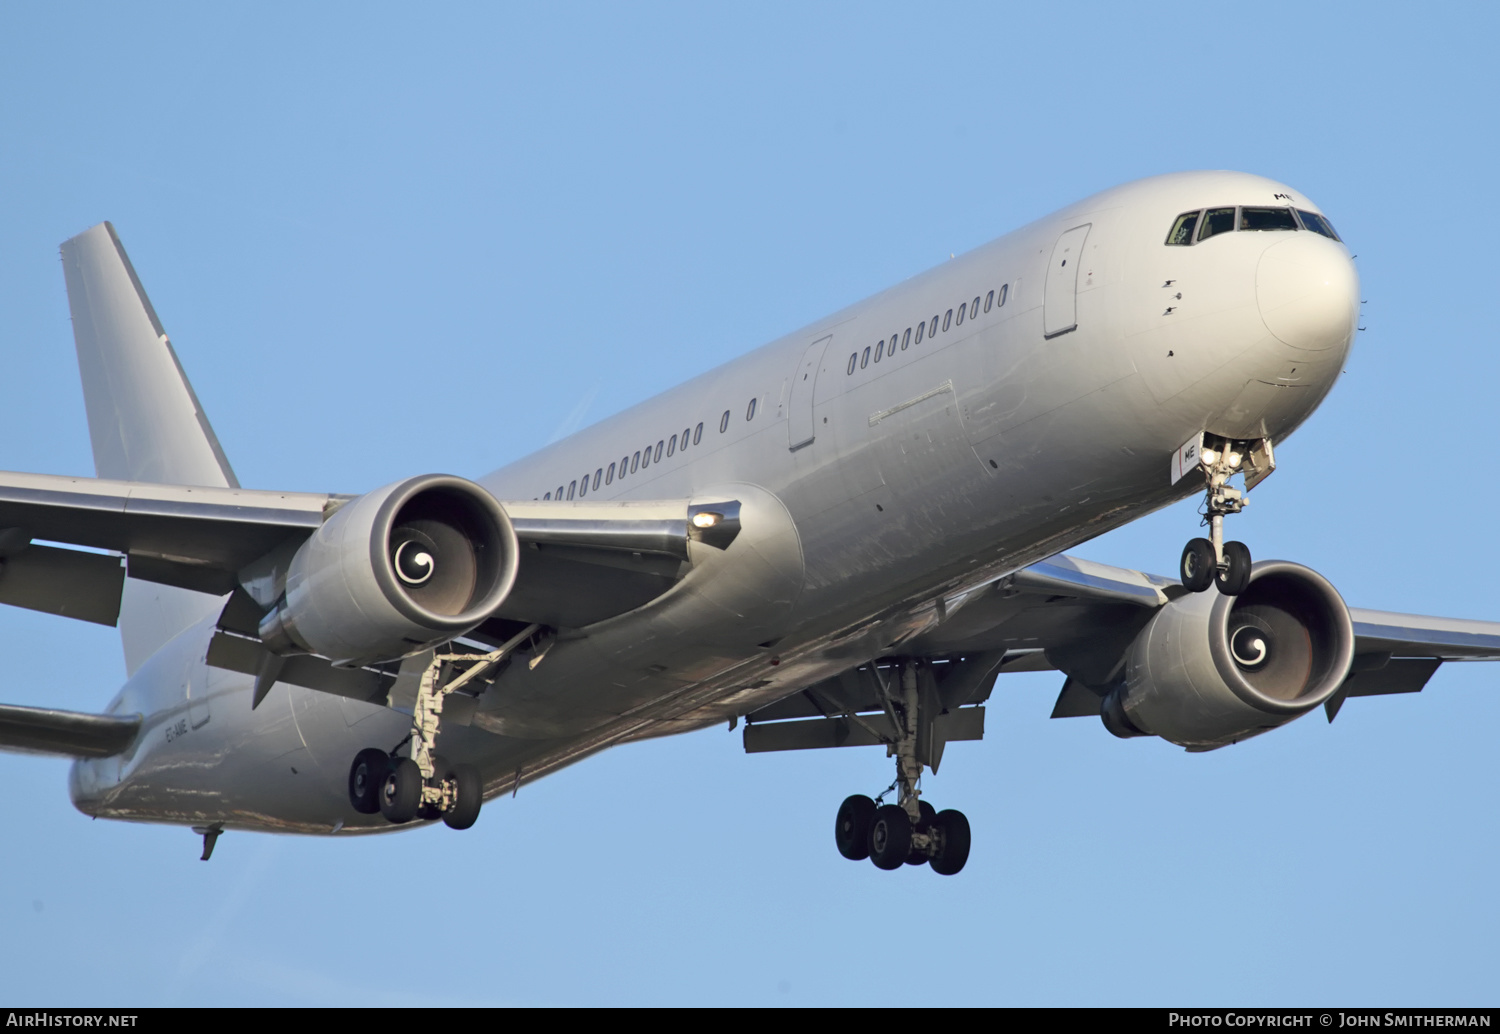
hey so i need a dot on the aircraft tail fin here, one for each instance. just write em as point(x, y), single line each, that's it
point(145, 420)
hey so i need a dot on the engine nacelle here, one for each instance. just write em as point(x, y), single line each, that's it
point(1211, 669)
point(395, 572)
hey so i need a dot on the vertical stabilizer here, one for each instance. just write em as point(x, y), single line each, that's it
point(145, 422)
point(144, 419)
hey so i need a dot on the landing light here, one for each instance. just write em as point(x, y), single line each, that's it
point(1233, 459)
point(706, 519)
point(1209, 456)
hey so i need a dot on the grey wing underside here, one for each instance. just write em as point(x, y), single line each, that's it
point(1076, 616)
point(580, 563)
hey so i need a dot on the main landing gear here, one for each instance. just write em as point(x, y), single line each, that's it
point(910, 831)
point(1212, 561)
point(425, 785)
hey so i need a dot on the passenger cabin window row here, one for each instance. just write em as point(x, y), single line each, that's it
point(632, 463)
point(1192, 227)
point(902, 340)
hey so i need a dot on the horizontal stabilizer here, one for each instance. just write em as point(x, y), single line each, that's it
point(42, 730)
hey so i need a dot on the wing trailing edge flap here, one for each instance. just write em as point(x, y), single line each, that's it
point(43, 730)
point(856, 708)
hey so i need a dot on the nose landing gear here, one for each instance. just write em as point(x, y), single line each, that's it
point(1212, 561)
point(911, 831)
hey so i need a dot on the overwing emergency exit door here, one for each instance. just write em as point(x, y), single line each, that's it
point(1060, 302)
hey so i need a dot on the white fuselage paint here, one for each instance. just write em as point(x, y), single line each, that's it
point(949, 462)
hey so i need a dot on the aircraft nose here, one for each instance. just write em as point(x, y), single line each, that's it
point(1308, 292)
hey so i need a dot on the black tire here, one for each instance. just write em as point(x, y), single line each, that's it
point(401, 792)
point(919, 855)
point(851, 828)
point(1237, 558)
point(365, 776)
point(469, 796)
point(1198, 565)
point(890, 837)
point(953, 842)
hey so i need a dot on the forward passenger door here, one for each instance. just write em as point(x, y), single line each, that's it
point(1060, 304)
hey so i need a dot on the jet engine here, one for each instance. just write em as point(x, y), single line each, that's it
point(395, 572)
point(1210, 669)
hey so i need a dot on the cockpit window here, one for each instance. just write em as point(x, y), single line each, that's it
point(1267, 219)
point(1216, 220)
point(1182, 229)
point(1317, 224)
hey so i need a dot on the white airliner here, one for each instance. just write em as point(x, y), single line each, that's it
point(842, 539)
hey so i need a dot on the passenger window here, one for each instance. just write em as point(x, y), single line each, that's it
point(1267, 219)
point(1317, 224)
point(559, 494)
point(547, 496)
point(598, 476)
point(685, 431)
point(853, 358)
point(635, 462)
point(1004, 290)
point(1216, 220)
point(671, 445)
point(624, 466)
point(947, 320)
point(583, 489)
point(865, 359)
point(750, 409)
point(1182, 229)
point(906, 339)
point(974, 307)
point(961, 309)
point(879, 349)
point(572, 487)
point(609, 475)
point(989, 300)
point(698, 433)
point(724, 421)
point(660, 445)
point(920, 328)
point(646, 457)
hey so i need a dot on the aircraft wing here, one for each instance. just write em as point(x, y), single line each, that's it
point(579, 563)
point(1076, 616)
point(42, 730)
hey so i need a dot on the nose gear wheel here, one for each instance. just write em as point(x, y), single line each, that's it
point(1212, 561)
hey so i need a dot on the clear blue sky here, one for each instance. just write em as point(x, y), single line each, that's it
point(392, 240)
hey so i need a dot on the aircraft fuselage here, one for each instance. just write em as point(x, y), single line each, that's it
point(1002, 407)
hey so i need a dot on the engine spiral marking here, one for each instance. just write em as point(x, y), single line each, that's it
point(413, 566)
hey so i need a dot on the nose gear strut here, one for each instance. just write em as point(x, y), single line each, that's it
point(1212, 561)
